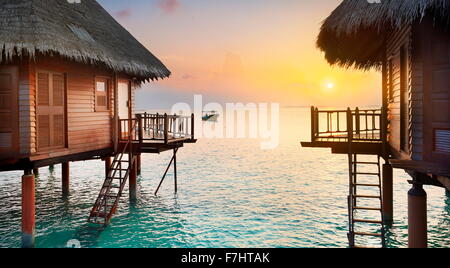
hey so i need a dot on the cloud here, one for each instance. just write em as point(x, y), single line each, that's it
point(168, 6)
point(188, 77)
point(124, 13)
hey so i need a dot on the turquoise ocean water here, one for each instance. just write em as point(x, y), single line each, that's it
point(231, 194)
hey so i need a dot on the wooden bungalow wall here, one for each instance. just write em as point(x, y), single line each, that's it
point(428, 92)
point(87, 129)
point(433, 47)
point(396, 41)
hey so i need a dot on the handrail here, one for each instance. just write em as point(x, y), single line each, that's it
point(346, 125)
point(164, 127)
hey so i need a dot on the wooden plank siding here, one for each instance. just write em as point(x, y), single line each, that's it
point(27, 110)
point(85, 128)
point(395, 42)
point(435, 51)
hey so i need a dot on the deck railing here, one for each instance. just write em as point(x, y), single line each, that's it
point(346, 125)
point(164, 127)
point(157, 128)
point(124, 126)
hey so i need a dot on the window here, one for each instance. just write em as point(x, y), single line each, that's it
point(101, 94)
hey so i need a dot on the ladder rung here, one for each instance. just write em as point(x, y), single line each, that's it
point(366, 208)
point(368, 221)
point(367, 185)
point(367, 173)
point(367, 163)
point(367, 234)
point(367, 196)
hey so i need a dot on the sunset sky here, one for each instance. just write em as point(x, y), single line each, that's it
point(241, 51)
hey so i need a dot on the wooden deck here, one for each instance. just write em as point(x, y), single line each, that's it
point(156, 133)
point(347, 131)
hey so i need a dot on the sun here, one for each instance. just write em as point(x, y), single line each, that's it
point(330, 85)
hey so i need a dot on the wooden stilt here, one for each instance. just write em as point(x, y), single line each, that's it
point(139, 164)
point(36, 172)
point(167, 170)
point(65, 178)
point(107, 165)
point(175, 170)
point(417, 217)
point(133, 182)
point(28, 210)
point(388, 194)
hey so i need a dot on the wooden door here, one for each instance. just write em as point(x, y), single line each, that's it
point(124, 100)
point(50, 111)
point(9, 142)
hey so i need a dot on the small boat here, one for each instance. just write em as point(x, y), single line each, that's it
point(210, 116)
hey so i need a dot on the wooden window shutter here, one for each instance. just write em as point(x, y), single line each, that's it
point(442, 140)
point(43, 131)
point(43, 89)
point(50, 111)
point(58, 90)
point(101, 94)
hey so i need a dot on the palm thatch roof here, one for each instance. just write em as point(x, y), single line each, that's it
point(354, 34)
point(83, 32)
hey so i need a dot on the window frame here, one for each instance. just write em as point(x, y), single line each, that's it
point(107, 80)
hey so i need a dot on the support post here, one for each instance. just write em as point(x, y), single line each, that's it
point(107, 165)
point(65, 178)
point(28, 210)
point(417, 217)
point(139, 163)
point(192, 126)
point(313, 127)
point(175, 169)
point(133, 182)
point(36, 172)
point(388, 194)
point(166, 129)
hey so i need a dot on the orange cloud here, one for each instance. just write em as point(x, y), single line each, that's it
point(168, 6)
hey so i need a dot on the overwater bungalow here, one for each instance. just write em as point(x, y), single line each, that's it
point(68, 75)
point(409, 43)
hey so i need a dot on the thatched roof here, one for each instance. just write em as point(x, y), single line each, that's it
point(82, 32)
point(354, 34)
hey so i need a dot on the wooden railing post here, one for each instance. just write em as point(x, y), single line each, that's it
point(349, 124)
point(119, 137)
point(358, 121)
point(192, 126)
point(313, 124)
point(140, 127)
point(316, 122)
point(145, 121)
point(166, 128)
point(157, 125)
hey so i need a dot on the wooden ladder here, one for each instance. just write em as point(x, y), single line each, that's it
point(358, 203)
point(107, 201)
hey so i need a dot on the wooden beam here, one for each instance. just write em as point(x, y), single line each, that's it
point(444, 181)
